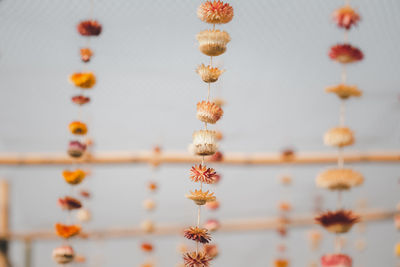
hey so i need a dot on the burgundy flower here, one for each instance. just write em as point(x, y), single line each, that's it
point(197, 234)
point(89, 28)
point(345, 53)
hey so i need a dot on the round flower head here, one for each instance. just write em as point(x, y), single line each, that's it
point(84, 215)
point(80, 100)
point(200, 198)
point(212, 225)
point(63, 254)
point(204, 143)
point(197, 234)
point(83, 80)
point(281, 263)
point(215, 12)
point(337, 222)
point(339, 179)
point(209, 74)
point(147, 226)
point(78, 128)
point(86, 54)
point(89, 28)
point(339, 137)
point(67, 231)
point(209, 112)
point(76, 149)
point(147, 247)
point(69, 203)
point(344, 91)
point(196, 259)
point(345, 53)
point(200, 173)
point(346, 17)
point(211, 250)
point(149, 204)
point(74, 177)
point(213, 42)
point(332, 260)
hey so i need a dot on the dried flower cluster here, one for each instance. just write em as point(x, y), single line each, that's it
point(339, 137)
point(78, 128)
point(197, 234)
point(344, 91)
point(63, 254)
point(76, 149)
point(213, 42)
point(196, 259)
point(74, 177)
point(339, 221)
point(204, 143)
point(341, 260)
point(208, 112)
point(209, 74)
point(86, 54)
point(215, 12)
point(345, 53)
point(89, 28)
point(203, 174)
point(339, 179)
point(83, 80)
point(67, 231)
point(201, 197)
point(346, 17)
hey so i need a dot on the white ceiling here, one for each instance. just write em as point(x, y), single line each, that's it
point(277, 67)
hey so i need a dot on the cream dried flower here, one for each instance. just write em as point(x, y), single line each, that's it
point(200, 198)
point(209, 74)
point(204, 143)
point(339, 179)
point(339, 137)
point(209, 112)
point(213, 42)
point(344, 91)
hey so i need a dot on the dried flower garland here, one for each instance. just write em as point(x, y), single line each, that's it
point(212, 42)
point(341, 178)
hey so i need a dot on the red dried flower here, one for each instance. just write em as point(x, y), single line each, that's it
point(197, 234)
point(346, 17)
point(69, 203)
point(200, 173)
point(147, 247)
point(336, 260)
point(89, 28)
point(196, 259)
point(215, 12)
point(80, 99)
point(345, 53)
point(339, 221)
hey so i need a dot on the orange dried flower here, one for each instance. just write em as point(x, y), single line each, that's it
point(147, 247)
point(152, 186)
point(84, 80)
point(89, 28)
point(215, 12)
point(209, 74)
point(67, 231)
point(344, 91)
point(86, 54)
point(200, 173)
point(345, 53)
point(78, 128)
point(339, 221)
point(281, 263)
point(346, 17)
point(69, 203)
point(74, 177)
point(196, 259)
point(197, 234)
point(209, 112)
point(200, 198)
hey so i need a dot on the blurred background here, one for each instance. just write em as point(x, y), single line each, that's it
point(145, 59)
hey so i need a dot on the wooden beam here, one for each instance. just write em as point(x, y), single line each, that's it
point(4, 220)
point(170, 157)
point(256, 224)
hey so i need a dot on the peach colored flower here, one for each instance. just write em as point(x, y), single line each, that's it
point(215, 12)
point(200, 173)
point(346, 17)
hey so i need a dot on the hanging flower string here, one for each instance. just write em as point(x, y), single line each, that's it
point(77, 148)
point(149, 204)
point(340, 178)
point(211, 43)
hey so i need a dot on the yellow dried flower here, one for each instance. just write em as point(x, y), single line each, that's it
point(344, 91)
point(200, 198)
